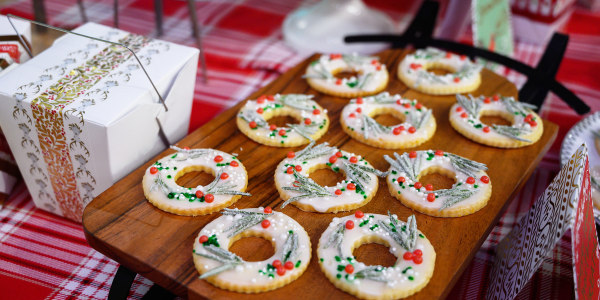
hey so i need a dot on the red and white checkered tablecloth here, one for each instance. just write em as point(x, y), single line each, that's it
point(43, 256)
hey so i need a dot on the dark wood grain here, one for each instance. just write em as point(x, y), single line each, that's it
point(121, 224)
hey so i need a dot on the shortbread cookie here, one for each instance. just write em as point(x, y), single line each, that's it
point(470, 192)
point(417, 127)
point(526, 128)
point(464, 74)
point(252, 120)
point(226, 270)
point(294, 185)
point(372, 75)
point(161, 189)
point(411, 272)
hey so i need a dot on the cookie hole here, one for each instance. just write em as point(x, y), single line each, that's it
point(192, 177)
point(388, 119)
point(494, 120)
point(325, 176)
point(439, 178)
point(440, 71)
point(374, 254)
point(281, 121)
point(346, 74)
point(252, 248)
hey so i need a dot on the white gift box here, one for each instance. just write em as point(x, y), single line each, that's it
point(82, 114)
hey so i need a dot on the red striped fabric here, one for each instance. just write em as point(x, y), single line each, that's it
point(45, 256)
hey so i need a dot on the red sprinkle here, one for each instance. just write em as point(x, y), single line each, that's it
point(487, 100)
point(463, 57)
point(399, 102)
point(408, 256)
point(260, 110)
point(528, 118)
point(470, 180)
point(203, 239)
point(418, 185)
point(533, 123)
point(359, 100)
point(412, 129)
point(349, 269)
point(265, 223)
point(272, 127)
point(349, 224)
point(459, 109)
point(261, 99)
point(280, 271)
point(252, 124)
point(298, 168)
point(412, 154)
point(209, 198)
point(351, 186)
point(418, 259)
point(439, 152)
point(199, 194)
point(291, 154)
point(486, 129)
point(333, 159)
point(339, 154)
point(374, 62)
point(277, 263)
point(359, 110)
point(153, 170)
point(270, 98)
point(496, 97)
point(464, 115)
point(485, 179)
point(378, 68)
point(359, 214)
point(419, 106)
point(418, 252)
point(415, 66)
point(290, 170)
point(456, 79)
point(186, 148)
point(282, 132)
point(218, 158)
point(335, 56)
point(307, 121)
point(353, 159)
point(268, 210)
point(351, 115)
point(224, 176)
point(407, 105)
point(316, 112)
point(401, 179)
point(338, 82)
point(431, 197)
point(234, 163)
point(396, 131)
point(429, 187)
point(289, 265)
point(448, 54)
point(338, 192)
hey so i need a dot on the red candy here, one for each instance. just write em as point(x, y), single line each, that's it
point(418, 260)
point(448, 54)
point(463, 57)
point(349, 224)
point(280, 271)
point(338, 192)
point(277, 263)
point(401, 179)
point(349, 269)
point(218, 158)
point(487, 100)
point(268, 210)
point(359, 100)
point(307, 121)
point(224, 176)
point(289, 265)
point(459, 109)
point(470, 180)
point(203, 239)
point(464, 115)
point(359, 110)
point(259, 110)
point(290, 170)
point(209, 198)
point(456, 79)
point(298, 168)
point(396, 131)
point(351, 186)
point(412, 154)
point(485, 179)
point(291, 154)
point(335, 56)
point(418, 252)
point(234, 163)
point(252, 124)
point(153, 170)
point(419, 106)
point(359, 214)
point(533, 123)
point(261, 99)
point(439, 152)
point(270, 98)
point(339, 154)
point(429, 187)
point(351, 115)
point(333, 159)
point(199, 194)
point(353, 159)
point(282, 132)
point(408, 255)
point(407, 105)
point(412, 129)
point(272, 127)
point(316, 111)
point(431, 197)
point(496, 97)
point(418, 185)
point(486, 129)
point(265, 223)
point(338, 82)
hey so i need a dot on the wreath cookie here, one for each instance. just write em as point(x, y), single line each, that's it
point(294, 185)
point(252, 120)
point(470, 192)
point(161, 189)
point(372, 75)
point(464, 74)
point(411, 272)
point(525, 130)
point(419, 124)
point(228, 271)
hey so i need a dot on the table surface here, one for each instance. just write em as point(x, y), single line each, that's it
point(121, 224)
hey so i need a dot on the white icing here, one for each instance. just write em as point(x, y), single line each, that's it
point(460, 66)
point(173, 164)
point(322, 204)
point(410, 193)
point(276, 106)
point(247, 274)
point(322, 72)
point(396, 279)
point(353, 111)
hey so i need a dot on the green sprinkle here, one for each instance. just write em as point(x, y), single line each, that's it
point(337, 258)
point(298, 263)
point(321, 259)
point(339, 276)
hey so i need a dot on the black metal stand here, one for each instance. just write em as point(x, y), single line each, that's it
point(540, 80)
point(122, 282)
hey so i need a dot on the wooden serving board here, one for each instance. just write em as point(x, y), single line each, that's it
point(121, 224)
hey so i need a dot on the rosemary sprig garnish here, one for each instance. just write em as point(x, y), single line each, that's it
point(248, 219)
point(290, 247)
point(384, 98)
point(467, 69)
point(372, 273)
point(336, 238)
point(453, 196)
point(355, 59)
point(466, 165)
point(319, 68)
point(417, 119)
point(429, 53)
point(511, 132)
point(406, 238)
point(189, 153)
point(370, 126)
point(517, 107)
point(298, 101)
point(304, 130)
point(362, 80)
point(307, 187)
point(595, 183)
point(472, 105)
point(311, 151)
point(217, 188)
point(161, 184)
point(357, 173)
point(228, 259)
point(403, 163)
point(250, 116)
point(427, 76)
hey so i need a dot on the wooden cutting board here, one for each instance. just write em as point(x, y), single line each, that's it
point(121, 224)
